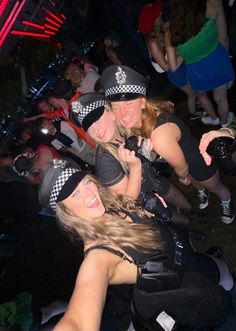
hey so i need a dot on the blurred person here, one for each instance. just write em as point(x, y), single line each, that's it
point(83, 76)
point(65, 139)
point(157, 50)
point(33, 164)
point(125, 89)
point(197, 30)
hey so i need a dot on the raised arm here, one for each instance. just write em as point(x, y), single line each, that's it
point(211, 135)
point(87, 302)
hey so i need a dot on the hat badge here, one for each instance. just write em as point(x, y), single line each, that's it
point(76, 106)
point(58, 163)
point(120, 76)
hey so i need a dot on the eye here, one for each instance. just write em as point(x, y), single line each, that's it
point(75, 194)
point(88, 182)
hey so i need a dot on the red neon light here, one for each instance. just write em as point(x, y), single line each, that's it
point(50, 32)
point(32, 34)
point(50, 27)
point(12, 22)
point(63, 16)
point(9, 18)
point(53, 3)
point(38, 26)
point(52, 22)
point(52, 15)
point(3, 6)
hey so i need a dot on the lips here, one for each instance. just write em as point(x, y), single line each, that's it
point(93, 203)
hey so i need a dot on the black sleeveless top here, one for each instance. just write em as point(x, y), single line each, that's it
point(174, 244)
point(190, 148)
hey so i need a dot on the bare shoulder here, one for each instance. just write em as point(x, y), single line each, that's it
point(214, 7)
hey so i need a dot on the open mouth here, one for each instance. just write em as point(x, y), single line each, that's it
point(93, 203)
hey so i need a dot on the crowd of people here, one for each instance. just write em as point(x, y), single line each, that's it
point(103, 155)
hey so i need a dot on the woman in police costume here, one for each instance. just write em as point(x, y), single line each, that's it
point(121, 247)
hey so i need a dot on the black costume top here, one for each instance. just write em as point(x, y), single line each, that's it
point(110, 172)
point(190, 148)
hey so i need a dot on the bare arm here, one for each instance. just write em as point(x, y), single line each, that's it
point(174, 60)
point(158, 55)
point(87, 302)
point(165, 142)
point(215, 9)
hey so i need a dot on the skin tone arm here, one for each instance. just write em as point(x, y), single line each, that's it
point(165, 142)
point(158, 55)
point(99, 269)
point(215, 9)
point(209, 136)
point(174, 60)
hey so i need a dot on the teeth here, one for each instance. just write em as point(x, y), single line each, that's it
point(92, 202)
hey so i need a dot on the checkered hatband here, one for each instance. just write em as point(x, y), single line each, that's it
point(65, 175)
point(83, 111)
point(136, 89)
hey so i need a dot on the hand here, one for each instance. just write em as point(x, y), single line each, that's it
point(185, 181)
point(147, 141)
point(207, 138)
point(128, 156)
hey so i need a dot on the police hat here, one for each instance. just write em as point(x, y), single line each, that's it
point(59, 181)
point(87, 109)
point(122, 83)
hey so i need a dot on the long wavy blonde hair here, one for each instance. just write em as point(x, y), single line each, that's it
point(113, 227)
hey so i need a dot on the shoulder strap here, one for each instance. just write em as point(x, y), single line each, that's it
point(110, 249)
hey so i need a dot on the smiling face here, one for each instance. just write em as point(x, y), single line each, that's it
point(85, 200)
point(128, 113)
point(104, 129)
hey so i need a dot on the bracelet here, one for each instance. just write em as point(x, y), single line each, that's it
point(231, 131)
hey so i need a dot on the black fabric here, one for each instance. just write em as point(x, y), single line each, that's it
point(110, 172)
point(197, 303)
point(70, 185)
point(189, 146)
point(108, 168)
point(92, 117)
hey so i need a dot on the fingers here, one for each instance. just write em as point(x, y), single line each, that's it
point(161, 199)
point(147, 141)
point(128, 156)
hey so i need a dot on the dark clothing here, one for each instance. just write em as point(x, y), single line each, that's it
point(189, 145)
point(110, 172)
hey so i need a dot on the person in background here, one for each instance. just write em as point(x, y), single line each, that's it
point(65, 139)
point(125, 89)
point(158, 56)
point(82, 75)
point(196, 33)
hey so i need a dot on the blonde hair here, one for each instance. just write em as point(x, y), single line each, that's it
point(111, 148)
point(113, 227)
point(149, 115)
